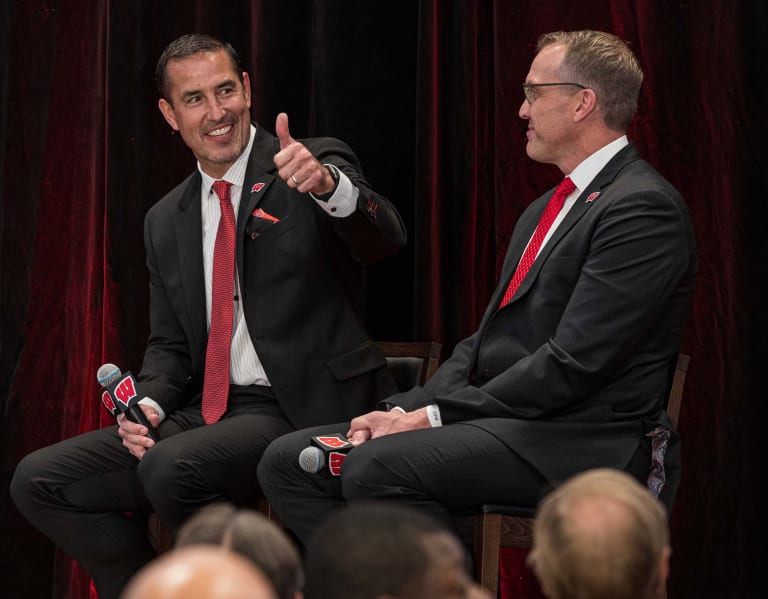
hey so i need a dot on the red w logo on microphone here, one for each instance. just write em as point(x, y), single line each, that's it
point(333, 442)
point(335, 460)
point(125, 391)
point(106, 399)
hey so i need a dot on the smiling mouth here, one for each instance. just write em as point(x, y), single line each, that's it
point(221, 131)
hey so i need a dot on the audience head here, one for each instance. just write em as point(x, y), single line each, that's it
point(601, 535)
point(199, 573)
point(379, 550)
point(250, 534)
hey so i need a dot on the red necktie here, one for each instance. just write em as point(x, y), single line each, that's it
point(553, 208)
point(216, 382)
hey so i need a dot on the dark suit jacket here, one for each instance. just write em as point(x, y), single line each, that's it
point(302, 290)
point(576, 368)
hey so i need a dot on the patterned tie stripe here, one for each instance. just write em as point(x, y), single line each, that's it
point(216, 383)
point(551, 211)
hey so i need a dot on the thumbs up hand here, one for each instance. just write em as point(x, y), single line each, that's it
point(296, 164)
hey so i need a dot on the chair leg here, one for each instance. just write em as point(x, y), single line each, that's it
point(486, 544)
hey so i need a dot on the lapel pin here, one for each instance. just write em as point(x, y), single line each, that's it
point(257, 187)
point(592, 197)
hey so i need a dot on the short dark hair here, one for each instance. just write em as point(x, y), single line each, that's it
point(188, 45)
point(250, 534)
point(369, 549)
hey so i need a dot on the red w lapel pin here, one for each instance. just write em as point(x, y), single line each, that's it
point(257, 187)
point(592, 197)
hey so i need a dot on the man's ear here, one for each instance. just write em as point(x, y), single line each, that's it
point(587, 104)
point(168, 113)
point(247, 88)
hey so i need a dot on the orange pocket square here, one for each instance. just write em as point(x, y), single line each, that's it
point(259, 213)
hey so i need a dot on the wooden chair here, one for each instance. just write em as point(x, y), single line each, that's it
point(411, 363)
point(497, 526)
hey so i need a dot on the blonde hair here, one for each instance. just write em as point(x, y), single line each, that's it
point(601, 535)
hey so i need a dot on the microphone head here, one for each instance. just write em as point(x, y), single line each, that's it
point(107, 374)
point(311, 459)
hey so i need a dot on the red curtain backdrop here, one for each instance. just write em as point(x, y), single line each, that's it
point(428, 94)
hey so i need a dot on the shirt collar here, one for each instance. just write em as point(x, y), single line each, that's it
point(236, 173)
point(587, 170)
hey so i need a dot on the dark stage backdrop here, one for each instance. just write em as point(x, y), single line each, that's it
point(427, 93)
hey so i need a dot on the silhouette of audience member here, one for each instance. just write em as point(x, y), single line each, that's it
point(601, 535)
point(382, 550)
point(252, 535)
point(199, 573)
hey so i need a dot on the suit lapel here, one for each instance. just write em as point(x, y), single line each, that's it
point(598, 185)
point(189, 247)
point(259, 176)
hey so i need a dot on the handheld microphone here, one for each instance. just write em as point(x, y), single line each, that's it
point(325, 455)
point(120, 396)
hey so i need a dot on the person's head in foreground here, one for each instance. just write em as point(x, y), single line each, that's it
point(199, 572)
point(253, 536)
point(380, 550)
point(601, 535)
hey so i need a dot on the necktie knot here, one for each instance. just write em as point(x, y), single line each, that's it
point(566, 186)
point(552, 209)
point(222, 189)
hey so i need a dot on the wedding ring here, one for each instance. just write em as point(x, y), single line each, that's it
point(295, 180)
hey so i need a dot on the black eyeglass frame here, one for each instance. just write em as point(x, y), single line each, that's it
point(528, 88)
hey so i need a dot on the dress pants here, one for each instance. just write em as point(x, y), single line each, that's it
point(445, 471)
point(90, 495)
point(442, 470)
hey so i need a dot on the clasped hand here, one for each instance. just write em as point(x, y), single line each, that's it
point(378, 424)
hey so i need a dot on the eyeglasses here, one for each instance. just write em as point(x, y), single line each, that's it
point(529, 89)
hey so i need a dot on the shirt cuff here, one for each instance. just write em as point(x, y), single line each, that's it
point(433, 415)
point(147, 401)
point(343, 201)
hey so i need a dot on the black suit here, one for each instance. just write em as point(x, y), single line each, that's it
point(301, 285)
point(570, 375)
point(302, 291)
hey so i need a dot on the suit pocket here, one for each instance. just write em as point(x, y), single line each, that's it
point(364, 358)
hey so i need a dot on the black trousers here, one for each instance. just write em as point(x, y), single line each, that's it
point(90, 496)
point(443, 471)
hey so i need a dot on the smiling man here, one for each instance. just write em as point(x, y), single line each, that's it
point(571, 365)
point(256, 283)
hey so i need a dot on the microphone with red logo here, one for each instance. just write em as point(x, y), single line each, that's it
point(120, 396)
point(325, 455)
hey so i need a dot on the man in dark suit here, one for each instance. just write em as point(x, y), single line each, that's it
point(295, 352)
point(571, 365)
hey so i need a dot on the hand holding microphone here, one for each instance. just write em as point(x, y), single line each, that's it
point(120, 396)
point(326, 453)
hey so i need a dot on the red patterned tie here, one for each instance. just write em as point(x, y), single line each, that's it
point(553, 208)
point(216, 383)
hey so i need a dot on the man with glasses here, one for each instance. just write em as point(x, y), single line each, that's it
point(570, 367)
